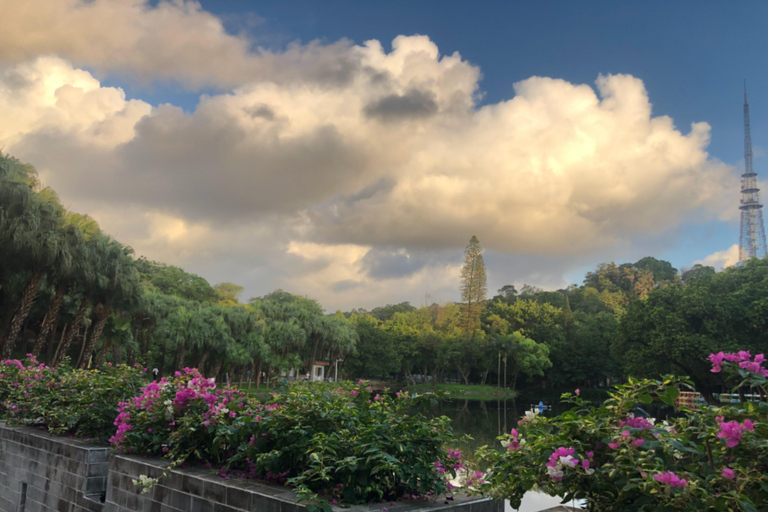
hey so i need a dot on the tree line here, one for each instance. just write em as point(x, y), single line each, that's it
point(71, 294)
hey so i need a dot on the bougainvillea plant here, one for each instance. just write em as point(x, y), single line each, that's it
point(63, 400)
point(616, 458)
point(332, 444)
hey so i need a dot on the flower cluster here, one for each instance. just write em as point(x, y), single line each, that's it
point(560, 459)
point(731, 431)
point(743, 358)
point(63, 400)
point(513, 443)
point(167, 411)
point(671, 479)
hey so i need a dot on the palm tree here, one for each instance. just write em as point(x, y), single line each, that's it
point(121, 291)
point(64, 274)
point(33, 240)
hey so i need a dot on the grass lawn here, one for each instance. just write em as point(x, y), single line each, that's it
point(463, 390)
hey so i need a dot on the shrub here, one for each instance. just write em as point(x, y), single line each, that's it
point(617, 459)
point(65, 401)
point(333, 443)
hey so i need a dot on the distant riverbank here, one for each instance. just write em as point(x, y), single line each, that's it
point(467, 392)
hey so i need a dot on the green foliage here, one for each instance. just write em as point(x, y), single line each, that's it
point(229, 292)
point(621, 461)
point(175, 281)
point(473, 283)
point(666, 332)
point(338, 442)
point(376, 354)
point(66, 401)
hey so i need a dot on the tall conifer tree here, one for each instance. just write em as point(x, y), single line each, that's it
point(473, 283)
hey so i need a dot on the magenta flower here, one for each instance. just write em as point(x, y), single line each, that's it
point(613, 445)
point(731, 432)
point(728, 473)
point(717, 361)
point(577, 392)
point(638, 442)
point(670, 478)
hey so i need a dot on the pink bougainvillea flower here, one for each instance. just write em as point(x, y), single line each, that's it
point(670, 478)
point(614, 445)
point(728, 473)
point(717, 361)
point(577, 392)
point(638, 442)
point(731, 432)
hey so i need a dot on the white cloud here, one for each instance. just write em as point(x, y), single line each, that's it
point(721, 259)
point(323, 189)
point(173, 40)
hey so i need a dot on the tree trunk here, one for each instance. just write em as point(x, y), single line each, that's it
point(102, 358)
point(203, 360)
point(314, 351)
point(98, 328)
point(117, 354)
point(49, 320)
point(258, 376)
point(52, 345)
point(53, 360)
point(217, 368)
point(83, 337)
point(27, 300)
point(180, 357)
point(64, 347)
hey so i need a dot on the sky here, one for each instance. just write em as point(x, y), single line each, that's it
point(347, 151)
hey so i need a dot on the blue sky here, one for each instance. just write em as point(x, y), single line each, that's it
point(323, 208)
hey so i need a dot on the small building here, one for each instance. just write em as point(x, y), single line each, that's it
point(318, 371)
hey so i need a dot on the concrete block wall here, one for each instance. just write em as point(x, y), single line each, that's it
point(197, 490)
point(44, 473)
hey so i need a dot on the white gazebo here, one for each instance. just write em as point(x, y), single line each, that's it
point(318, 371)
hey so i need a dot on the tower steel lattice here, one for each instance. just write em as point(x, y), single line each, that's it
point(752, 237)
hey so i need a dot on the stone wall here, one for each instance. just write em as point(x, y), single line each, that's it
point(40, 472)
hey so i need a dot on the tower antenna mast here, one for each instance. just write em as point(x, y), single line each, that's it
point(752, 236)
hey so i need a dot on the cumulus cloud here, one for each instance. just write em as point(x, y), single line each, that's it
point(171, 40)
point(721, 259)
point(366, 190)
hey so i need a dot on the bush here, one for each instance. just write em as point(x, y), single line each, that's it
point(65, 401)
point(616, 459)
point(333, 442)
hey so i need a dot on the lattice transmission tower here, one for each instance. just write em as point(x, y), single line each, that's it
point(752, 237)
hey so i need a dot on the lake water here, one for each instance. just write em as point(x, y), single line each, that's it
point(485, 420)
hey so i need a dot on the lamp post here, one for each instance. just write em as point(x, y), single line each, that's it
point(336, 374)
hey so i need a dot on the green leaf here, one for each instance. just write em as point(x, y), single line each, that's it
point(747, 506)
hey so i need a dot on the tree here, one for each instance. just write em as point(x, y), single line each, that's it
point(662, 271)
point(697, 271)
point(473, 283)
point(674, 330)
point(376, 354)
point(507, 293)
point(523, 355)
point(229, 292)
